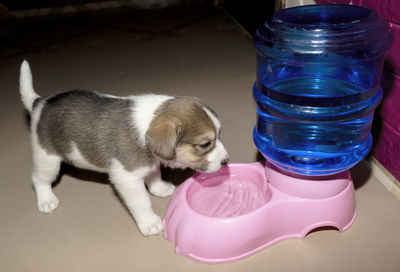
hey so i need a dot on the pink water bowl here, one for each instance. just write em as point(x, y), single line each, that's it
point(244, 208)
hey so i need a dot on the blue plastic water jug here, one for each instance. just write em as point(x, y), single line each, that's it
point(318, 84)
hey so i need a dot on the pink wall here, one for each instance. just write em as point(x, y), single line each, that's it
point(386, 129)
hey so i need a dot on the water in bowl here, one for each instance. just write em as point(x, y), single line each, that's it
point(229, 195)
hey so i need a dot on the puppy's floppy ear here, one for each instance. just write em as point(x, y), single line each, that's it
point(163, 135)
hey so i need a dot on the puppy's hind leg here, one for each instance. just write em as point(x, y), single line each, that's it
point(132, 189)
point(45, 170)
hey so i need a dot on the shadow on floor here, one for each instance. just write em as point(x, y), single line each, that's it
point(360, 173)
point(175, 176)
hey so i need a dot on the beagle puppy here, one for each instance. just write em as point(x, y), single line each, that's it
point(126, 137)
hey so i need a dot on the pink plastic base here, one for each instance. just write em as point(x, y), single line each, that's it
point(244, 208)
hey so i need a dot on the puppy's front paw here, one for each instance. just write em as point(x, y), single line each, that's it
point(150, 224)
point(47, 203)
point(162, 189)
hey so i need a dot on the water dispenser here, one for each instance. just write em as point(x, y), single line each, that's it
point(317, 86)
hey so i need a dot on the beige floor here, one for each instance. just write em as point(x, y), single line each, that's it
point(191, 53)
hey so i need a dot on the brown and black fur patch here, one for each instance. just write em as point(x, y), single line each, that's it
point(190, 129)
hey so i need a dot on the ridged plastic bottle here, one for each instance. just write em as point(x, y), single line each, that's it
point(318, 84)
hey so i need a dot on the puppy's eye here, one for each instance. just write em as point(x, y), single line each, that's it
point(205, 145)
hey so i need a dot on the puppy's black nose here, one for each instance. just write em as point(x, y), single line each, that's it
point(225, 161)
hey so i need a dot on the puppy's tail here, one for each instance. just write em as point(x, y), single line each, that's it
point(28, 94)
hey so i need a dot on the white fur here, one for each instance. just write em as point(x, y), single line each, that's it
point(174, 164)
point(28, 94)
point(143, 113)
point(157, 186)
point(77, 159)
point(213, 118)
point(45, 168)
point(132, 189)
point(219, 153)
point(216, 156)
